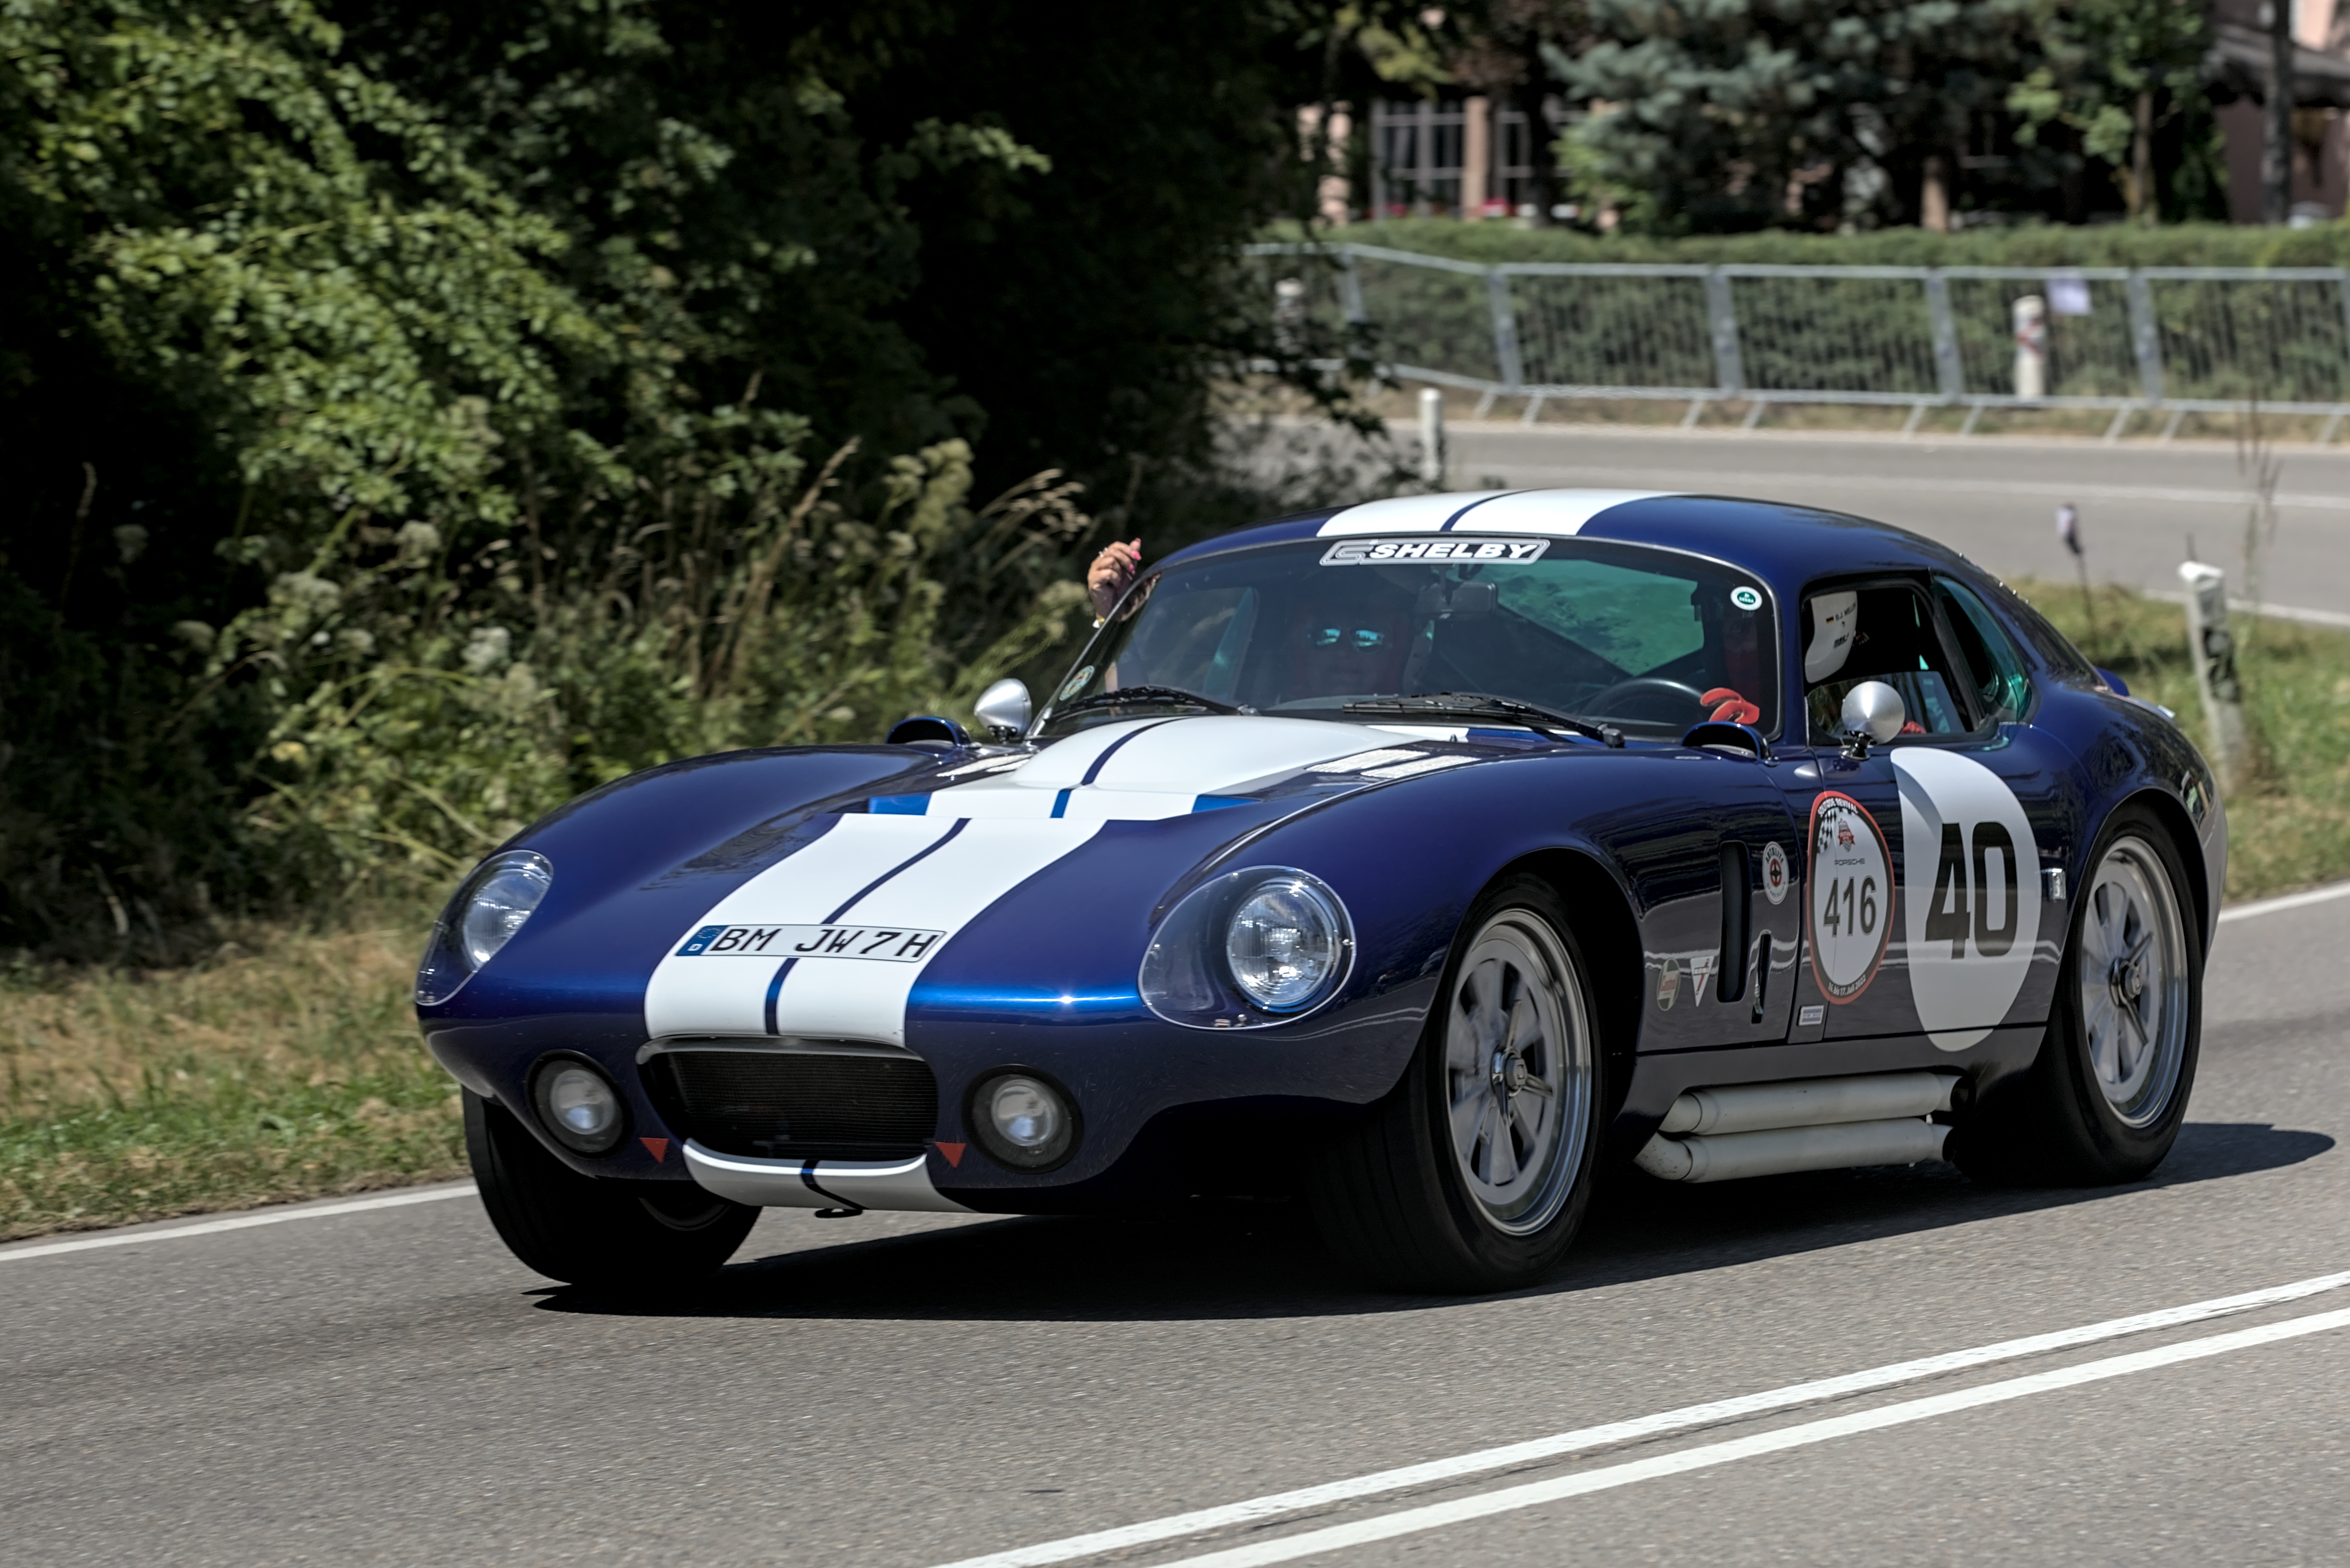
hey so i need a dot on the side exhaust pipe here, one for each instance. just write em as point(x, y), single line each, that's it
point(1808, 1124)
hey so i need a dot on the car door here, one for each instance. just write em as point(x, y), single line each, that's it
point(1711, 863)
point(1926, 910)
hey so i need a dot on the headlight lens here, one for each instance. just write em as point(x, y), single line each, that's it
point(578, 1104)
point(490, 907)
point(1022, 1120)
point(1283, 944)
point(501, 902)
point(1253, 948)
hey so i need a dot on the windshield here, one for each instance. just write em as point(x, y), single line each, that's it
point(1644, 639)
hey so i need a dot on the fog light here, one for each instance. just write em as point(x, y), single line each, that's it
point(1024, 1120)
point(578, 1104)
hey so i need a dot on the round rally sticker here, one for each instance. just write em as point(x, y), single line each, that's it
point(1774, 872)
point(1746, 598)
point(1852, 896)
point(1076, 683)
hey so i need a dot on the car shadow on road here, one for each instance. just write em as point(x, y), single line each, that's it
point(1255, 1261)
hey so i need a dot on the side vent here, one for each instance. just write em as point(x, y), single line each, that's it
point(1730, 983)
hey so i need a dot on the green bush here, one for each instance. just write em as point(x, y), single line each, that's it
point(425, 708)
point(2040, 246)
point(412, 411)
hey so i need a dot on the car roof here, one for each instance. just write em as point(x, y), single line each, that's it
point(1786, 545)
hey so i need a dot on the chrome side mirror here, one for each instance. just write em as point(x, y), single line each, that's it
point(1005, 708)
point(1872, 711)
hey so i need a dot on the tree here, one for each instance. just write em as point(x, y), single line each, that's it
point(2117, 72)
point(1724, 114)
point(405, 398)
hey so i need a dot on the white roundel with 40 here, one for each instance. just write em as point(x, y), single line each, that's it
point(1970, 890)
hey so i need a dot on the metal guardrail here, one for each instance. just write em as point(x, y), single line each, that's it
point(2175, 341)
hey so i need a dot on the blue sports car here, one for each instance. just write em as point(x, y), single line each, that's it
point(1413, 859)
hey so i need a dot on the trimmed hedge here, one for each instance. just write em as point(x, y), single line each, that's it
point(2182, 244)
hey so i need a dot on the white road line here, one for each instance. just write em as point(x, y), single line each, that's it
point(1708, 481)
point(238, 1222)
point(1565, 1443)
point(1411, 1522)
point(2290, 901)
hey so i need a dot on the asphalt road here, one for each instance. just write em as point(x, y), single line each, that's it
point(387, 1385)
point(1993, 498)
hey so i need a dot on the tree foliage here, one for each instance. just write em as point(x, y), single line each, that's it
point(414, 408)
point(2117, 73)
point(1725, 114)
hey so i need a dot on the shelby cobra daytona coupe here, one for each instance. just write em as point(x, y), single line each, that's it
point(1417, 859)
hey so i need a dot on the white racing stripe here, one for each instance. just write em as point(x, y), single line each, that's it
point(1483, 512)
point(1276, 1504)
point(238, 1222)
point(1436, 1516)
point(717, 995)
point(845, 1000)
point(1139, 770)
point(2290, 901)
point(1403, 514)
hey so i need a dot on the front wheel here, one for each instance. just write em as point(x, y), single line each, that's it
point(2106, 1098)
point(642, 1237)
point(1474, 1173)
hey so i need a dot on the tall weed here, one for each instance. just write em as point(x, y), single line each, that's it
point(429, 701)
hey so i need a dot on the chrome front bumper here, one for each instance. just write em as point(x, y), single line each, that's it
point(820, 1183)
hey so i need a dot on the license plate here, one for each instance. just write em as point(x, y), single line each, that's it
point(888, 944)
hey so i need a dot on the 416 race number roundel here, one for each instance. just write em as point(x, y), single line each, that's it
point(1851, 896)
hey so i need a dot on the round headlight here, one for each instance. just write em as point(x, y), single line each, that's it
point(490, 906)
point(1022, 1120)
point(578, 1104)
point(505, 890)
point(1283, 944)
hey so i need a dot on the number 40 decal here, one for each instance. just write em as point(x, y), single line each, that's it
point(1971, 930)
point(1951, 914)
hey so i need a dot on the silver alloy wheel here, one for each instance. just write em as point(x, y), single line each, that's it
point(1517, 1071)
point(2132, 970)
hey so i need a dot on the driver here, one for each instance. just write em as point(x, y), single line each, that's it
point(1346, 647)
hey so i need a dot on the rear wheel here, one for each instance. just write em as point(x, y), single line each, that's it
point(642, 1237)
point(2106, 1098)
point(1474, 1173)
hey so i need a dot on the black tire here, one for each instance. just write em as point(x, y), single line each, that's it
point(1397, 1199)
point(2071, 1119)
point(641, 1238)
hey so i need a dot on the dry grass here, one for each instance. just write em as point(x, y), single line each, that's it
point(286, 1068)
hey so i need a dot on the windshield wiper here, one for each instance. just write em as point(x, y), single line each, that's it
point(1126, 694)
point(1480, 705)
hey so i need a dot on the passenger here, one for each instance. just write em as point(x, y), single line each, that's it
point(1111, 574)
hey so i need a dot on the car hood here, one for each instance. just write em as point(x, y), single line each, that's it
point(831, 939)
point(1145, 768)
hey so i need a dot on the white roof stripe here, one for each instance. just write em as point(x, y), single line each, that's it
point(1486, 512)
point(1405, 514)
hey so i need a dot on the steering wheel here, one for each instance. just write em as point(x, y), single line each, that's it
point(1602, 703)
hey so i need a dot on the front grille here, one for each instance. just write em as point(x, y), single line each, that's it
point(778, 1105)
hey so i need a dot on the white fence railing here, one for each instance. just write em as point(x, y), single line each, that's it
point(2153, 340)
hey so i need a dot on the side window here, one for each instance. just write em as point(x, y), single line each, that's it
point(1882, 631)
point(2002, 689)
